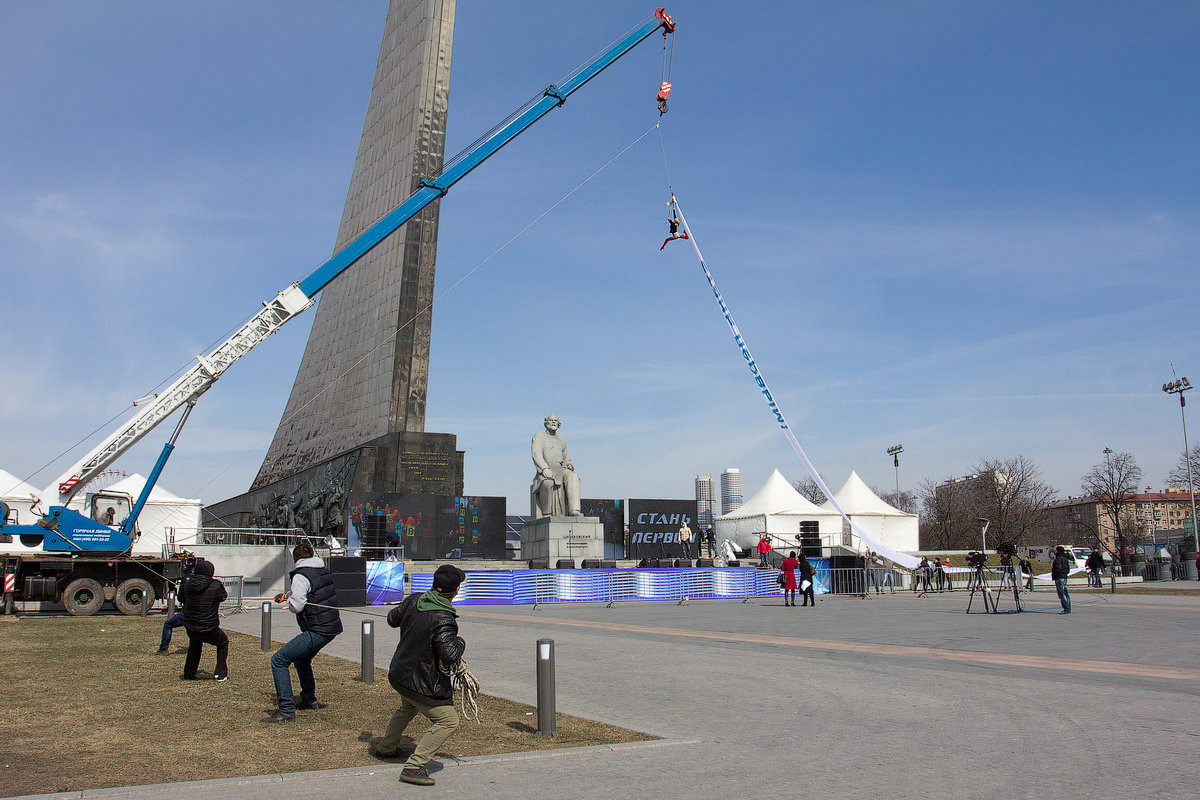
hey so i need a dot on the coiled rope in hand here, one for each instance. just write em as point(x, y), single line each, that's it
point(467, 686)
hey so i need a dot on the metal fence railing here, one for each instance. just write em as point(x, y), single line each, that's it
point(234, 588)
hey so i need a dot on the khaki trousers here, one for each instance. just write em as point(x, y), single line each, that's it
point(445, 723)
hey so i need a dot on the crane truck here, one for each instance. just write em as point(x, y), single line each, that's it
point(83, 560)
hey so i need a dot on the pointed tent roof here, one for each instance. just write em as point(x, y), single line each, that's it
point(776, 496)
point(14, 487)
point(133, 484)
point(856, 498)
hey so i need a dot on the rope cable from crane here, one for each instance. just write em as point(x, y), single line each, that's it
point(329, 385)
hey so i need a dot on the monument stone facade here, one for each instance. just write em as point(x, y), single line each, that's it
point(355, 419)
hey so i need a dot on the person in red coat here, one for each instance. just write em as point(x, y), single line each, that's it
point(790, 564)
point(764, 549)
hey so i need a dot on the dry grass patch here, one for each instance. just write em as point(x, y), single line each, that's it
point(87, 704)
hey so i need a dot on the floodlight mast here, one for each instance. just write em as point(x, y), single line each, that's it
point(1179, 387)
point(894, 451)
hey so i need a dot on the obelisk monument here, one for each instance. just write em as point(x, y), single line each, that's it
point(355, 418)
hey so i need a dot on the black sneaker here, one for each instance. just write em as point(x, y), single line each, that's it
point(279, 716)
point(419, 776)
point(314, 705)
point(398, 753)
point(220, 678)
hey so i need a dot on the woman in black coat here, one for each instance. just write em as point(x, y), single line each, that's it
point(806, 574)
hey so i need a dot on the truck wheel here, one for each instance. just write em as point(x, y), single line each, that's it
point(83, 597)
point(8, 603)
point(131, 594)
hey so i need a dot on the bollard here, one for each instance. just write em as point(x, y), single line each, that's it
point(170, 604)
point(1112, 577)
point(368, 652)
point(546, 718)
point(266, 627)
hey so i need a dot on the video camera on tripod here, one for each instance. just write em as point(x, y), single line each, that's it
point(1006, 550)
point(976, 559)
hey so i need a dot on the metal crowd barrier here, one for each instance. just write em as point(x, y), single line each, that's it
point(535, 586)
point(235, 588)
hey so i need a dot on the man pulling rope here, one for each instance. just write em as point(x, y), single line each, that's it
point(425, 670)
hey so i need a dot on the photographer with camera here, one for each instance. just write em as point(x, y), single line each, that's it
point(176, 620)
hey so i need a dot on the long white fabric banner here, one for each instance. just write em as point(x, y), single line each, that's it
point(903, 559)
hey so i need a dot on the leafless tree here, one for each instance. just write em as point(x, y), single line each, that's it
point(1113, 485)
point(807, 487)
point(947, 519)
point(1009, 493)
point(904, 500)
point(1015, 500)
point(1178, 476)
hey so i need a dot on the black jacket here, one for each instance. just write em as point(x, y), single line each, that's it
point(1061, 567)
point(806, 570)
point(1094, 561)
point(202, 597)
point(428, 639)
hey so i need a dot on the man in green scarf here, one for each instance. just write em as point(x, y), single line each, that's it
point(429, 640)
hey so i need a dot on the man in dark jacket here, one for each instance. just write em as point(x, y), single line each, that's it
point(1059, 571)
point(313, 600)
point(1094, 564)
point(429, 641)
point(202, 597)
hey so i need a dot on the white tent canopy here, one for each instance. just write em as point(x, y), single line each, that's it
point(164, 513)
point(775, 509)
point(888, 526)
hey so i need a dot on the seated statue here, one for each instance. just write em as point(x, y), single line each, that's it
point(555, 489)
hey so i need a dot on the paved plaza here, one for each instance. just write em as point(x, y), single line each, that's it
point(888, 696)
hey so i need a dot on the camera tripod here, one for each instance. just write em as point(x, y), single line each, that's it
point(991, 603)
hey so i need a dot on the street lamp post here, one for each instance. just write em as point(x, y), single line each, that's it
point(1179, 387)
point(985, 522)
point(895, 452)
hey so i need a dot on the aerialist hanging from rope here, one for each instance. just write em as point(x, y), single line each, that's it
point(673, 222)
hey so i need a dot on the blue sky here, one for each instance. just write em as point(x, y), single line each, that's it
point(971, 228)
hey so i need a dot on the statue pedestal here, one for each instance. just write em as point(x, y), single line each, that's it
point(553, 538)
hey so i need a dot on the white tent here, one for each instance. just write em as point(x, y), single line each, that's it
point(164, 512)
point(17, 493)
point(777, 510)
point(889, 527)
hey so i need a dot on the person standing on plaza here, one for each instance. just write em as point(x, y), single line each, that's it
point(313, 600)
point(1059, 571)
point(806, 583)
point(1094, 563)
point(685, 539)
point(764, 549)
point(869, 563)
point(202, 598)
point(711, 538)
point(946, 565)
point(789, 567)
point(1027, 571)
point(429, 645)
point(939, 573)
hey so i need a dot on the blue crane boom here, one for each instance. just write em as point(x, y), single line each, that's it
point(71, 531)
point(432, 188)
